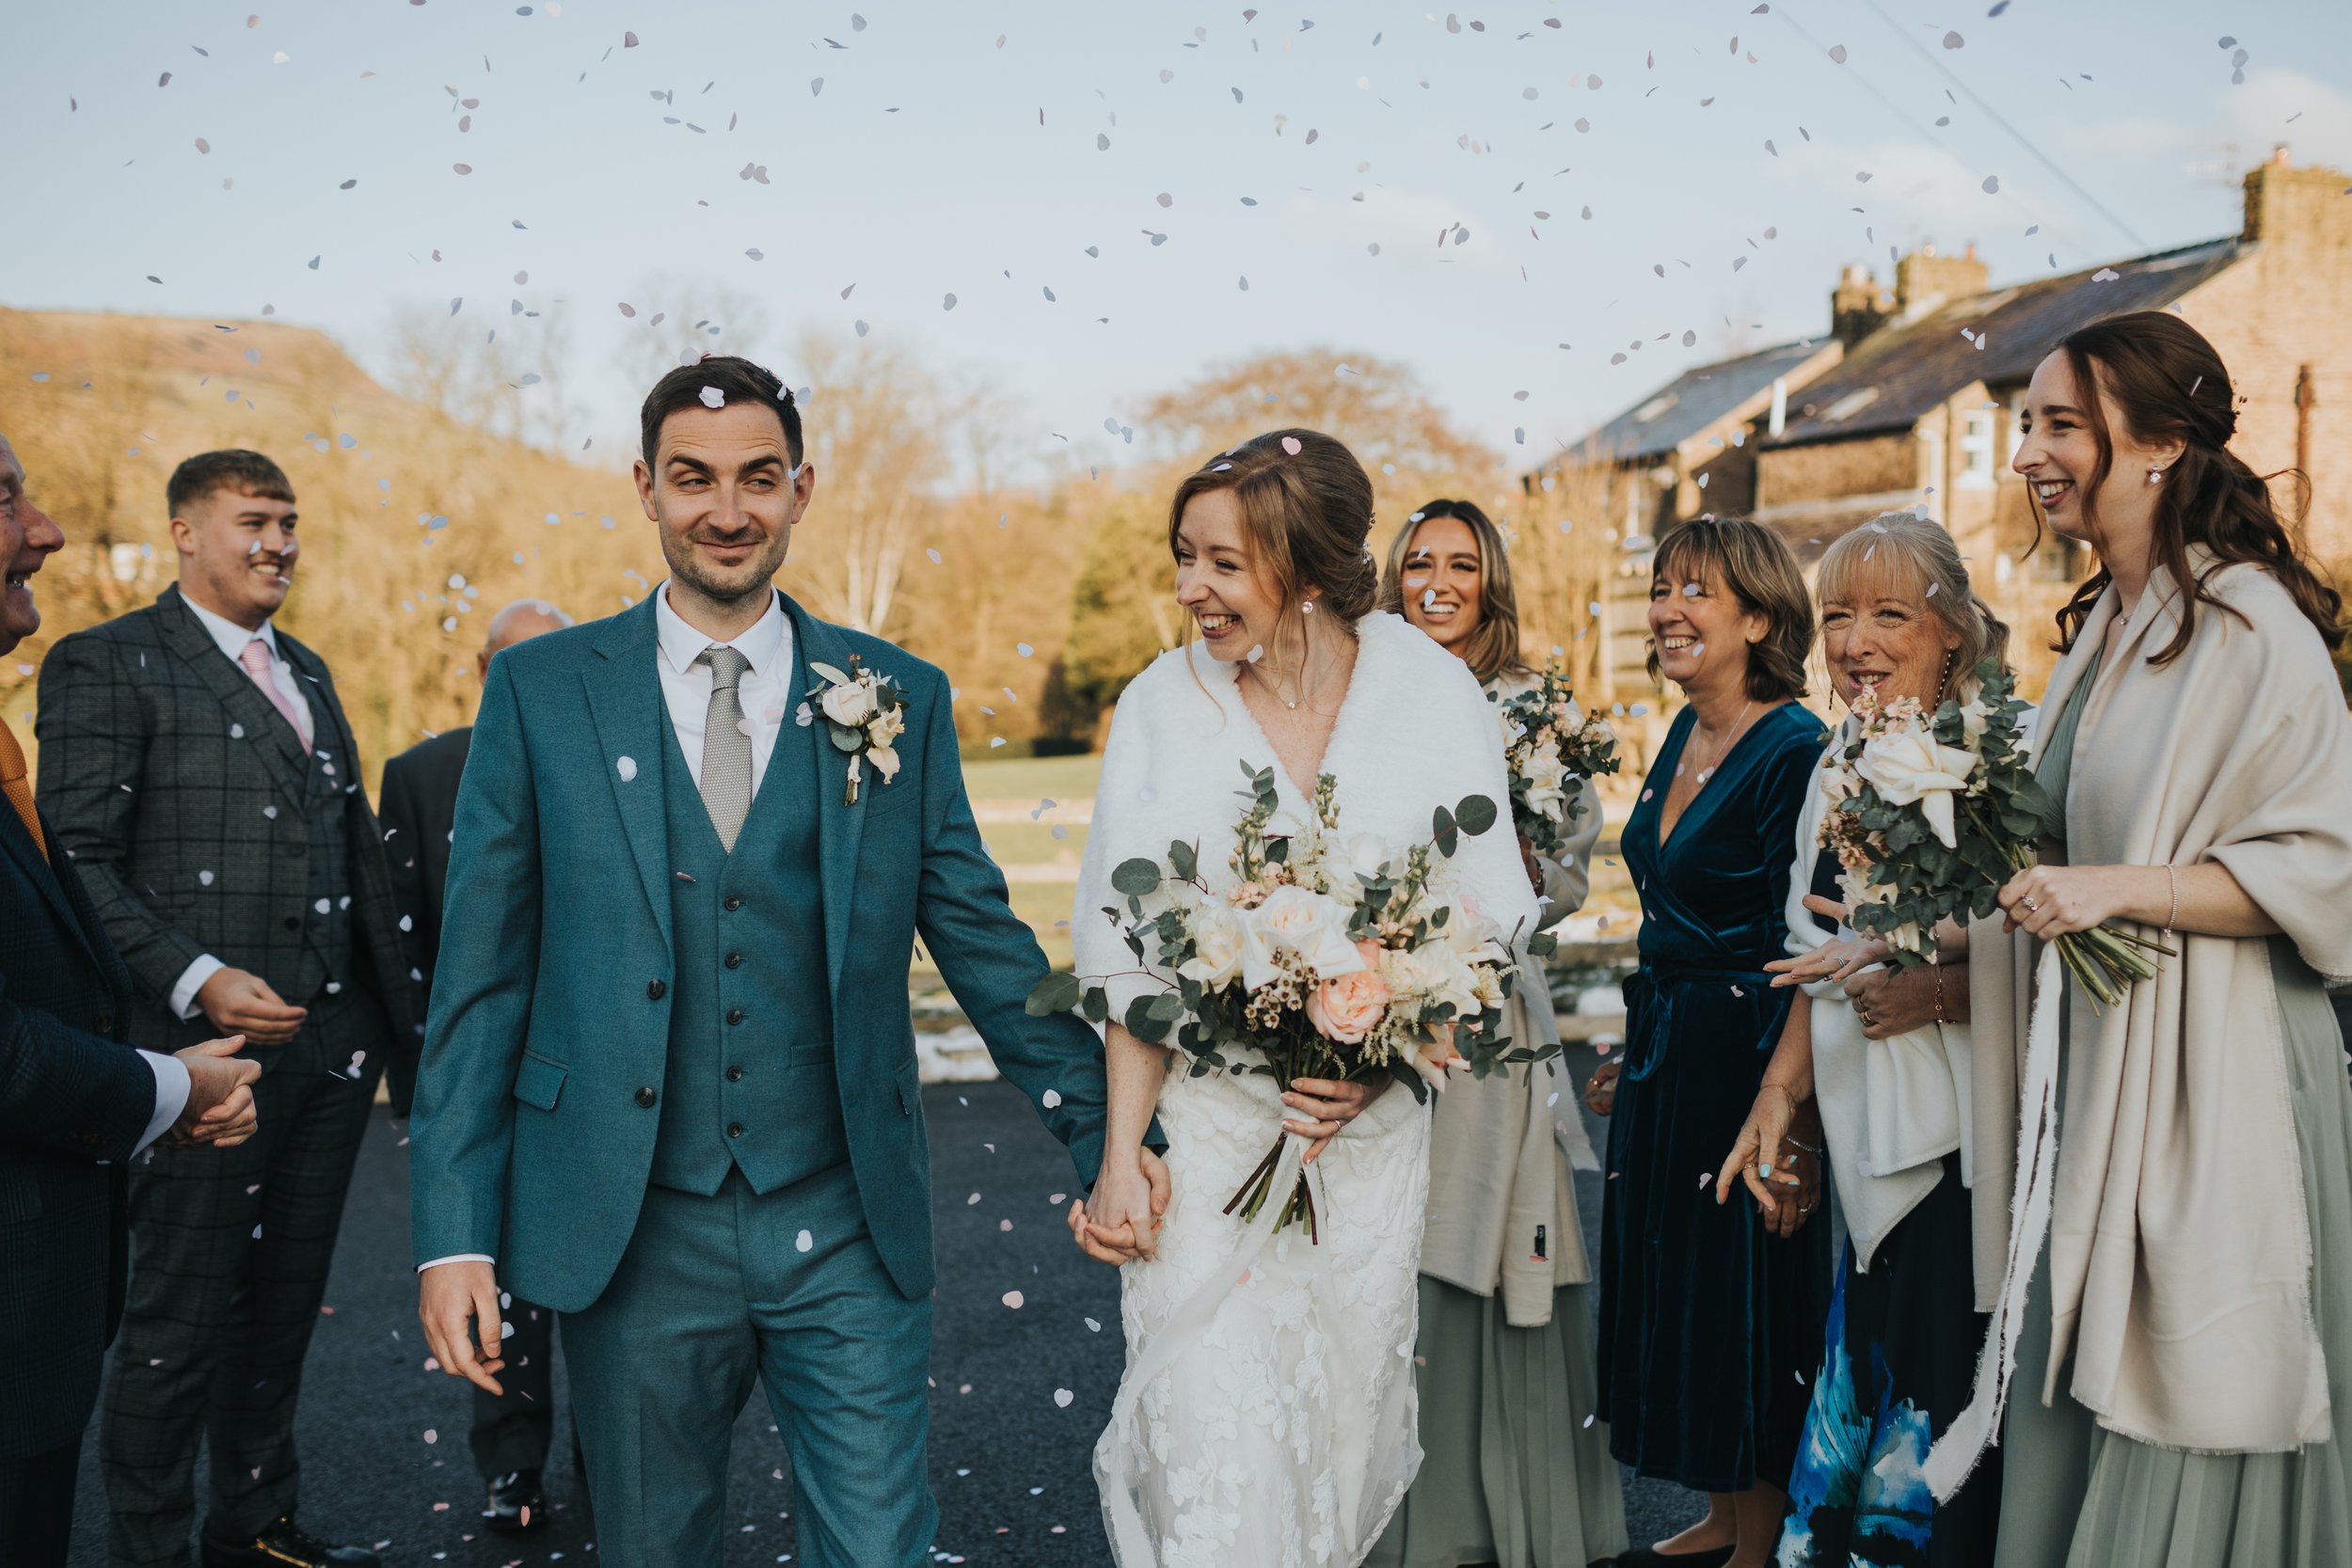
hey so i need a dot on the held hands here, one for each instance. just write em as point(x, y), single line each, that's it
point(1600, 1090)
point(1838, 959)
point(2052, 900)
point(1783, 1176)
point(239, 1003)
point(1120, 1220)
point(1891, 1002)
point(219, 1109)
point(455, 1301)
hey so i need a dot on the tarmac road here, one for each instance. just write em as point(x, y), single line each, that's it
point(383, 1441)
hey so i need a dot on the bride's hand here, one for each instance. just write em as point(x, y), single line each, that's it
point(1121, 1219)
point(1326, 1104)
point(1838, 959)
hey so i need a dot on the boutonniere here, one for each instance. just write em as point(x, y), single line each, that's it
point(863, 714)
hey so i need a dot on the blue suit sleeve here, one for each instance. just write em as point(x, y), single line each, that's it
point(463, 1133)
point(68, 1091)
point(990, 959)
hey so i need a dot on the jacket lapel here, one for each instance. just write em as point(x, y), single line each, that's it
point(264, 725)
point(632, 722)
point(20, 848)
point(840, 829)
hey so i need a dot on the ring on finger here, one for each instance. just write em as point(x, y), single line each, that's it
point(2032, 905)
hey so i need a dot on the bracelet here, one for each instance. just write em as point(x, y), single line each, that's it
point(2172, 877)
point(1785, 1093)
point(1809, 1148)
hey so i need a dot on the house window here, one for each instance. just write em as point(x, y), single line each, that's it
point(1975, 452)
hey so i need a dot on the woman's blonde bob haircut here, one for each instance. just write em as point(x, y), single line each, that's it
point(1754, 564)
point(1905, 557)
point(1493, 649)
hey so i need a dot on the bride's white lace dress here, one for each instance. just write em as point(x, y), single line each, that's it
point(1267, 1415)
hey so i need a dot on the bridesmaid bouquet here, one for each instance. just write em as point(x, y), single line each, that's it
point(1324, 954)
point(1932, 812)
point(1547, 743)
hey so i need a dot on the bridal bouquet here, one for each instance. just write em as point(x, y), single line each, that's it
point(1547, 743)
point(1932, 812)
point(1321, 954)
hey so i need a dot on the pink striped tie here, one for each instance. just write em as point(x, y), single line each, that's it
point(257, 663)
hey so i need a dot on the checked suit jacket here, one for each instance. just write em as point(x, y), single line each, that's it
point(74, 1099)
point(184, 798)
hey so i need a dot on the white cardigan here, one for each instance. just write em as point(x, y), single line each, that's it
point(1414, 732)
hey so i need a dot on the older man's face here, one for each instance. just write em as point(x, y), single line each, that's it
point(27, 538)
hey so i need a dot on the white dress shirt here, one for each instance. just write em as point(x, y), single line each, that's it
point(765, 692)
point(231, 639)
point(172, 1087)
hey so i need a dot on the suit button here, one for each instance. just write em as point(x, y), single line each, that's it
point(734, 1130)
point(645, 1097)
point(735, 1015)
point(735, 960)
point(293, 922)
point(734, 902)
point(655, 990)
point(734, 1075)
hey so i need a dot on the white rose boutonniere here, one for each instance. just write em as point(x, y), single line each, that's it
point(863, 714)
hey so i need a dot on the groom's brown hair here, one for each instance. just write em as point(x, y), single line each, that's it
point(736, 379)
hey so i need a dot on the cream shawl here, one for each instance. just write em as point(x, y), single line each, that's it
point(2180, 1254)
point(1501, 1147)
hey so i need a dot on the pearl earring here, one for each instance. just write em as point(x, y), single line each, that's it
point(1306, 606)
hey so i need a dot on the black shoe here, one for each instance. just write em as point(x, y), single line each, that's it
point(1650, 1556)
point(516, 1503)
point(286, 1542)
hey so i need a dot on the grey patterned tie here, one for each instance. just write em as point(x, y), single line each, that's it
point(726, 746)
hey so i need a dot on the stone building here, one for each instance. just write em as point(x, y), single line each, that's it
point(1920, 407)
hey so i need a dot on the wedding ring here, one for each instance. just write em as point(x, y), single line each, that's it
point(2031, 906)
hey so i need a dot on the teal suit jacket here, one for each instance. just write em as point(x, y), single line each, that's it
point(533, 1135)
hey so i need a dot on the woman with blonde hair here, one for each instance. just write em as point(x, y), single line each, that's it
point(1883, 1054)
point(1515, 1473)
point(2166, 1246)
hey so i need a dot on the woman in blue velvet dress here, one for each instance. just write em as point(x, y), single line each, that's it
point(1711, 1317)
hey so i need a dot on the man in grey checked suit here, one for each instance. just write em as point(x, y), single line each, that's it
point(200, 769)
point(669, 1082)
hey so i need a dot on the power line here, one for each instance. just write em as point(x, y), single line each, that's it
point(2015, 135)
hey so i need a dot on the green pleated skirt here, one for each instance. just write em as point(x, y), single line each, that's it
point(2077, 1495)
point(1513, 1470)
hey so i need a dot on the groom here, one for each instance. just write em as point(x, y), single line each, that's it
point(668, 1084)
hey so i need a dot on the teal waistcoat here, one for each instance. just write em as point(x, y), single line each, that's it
point(750, 1076)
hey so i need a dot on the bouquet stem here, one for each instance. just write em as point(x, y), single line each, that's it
point(1298, 1206)
point(2104, 960)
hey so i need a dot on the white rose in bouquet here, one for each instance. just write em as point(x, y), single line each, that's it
point(851, 703)
point(1351, 859)
point(1219, 933)
point(1547, 778)
point(1296, 921)
point(1910, 765)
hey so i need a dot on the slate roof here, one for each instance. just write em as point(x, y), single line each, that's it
point(1913, 368)
point(1693, 401)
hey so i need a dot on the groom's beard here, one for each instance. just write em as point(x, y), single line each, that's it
point(721, 583)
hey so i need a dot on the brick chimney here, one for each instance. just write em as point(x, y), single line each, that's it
point(1924, 280)
point(2303, 209)
point(1857, 307)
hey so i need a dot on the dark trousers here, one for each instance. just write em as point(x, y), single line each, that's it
point(230, 1251)
point(515, 1431)
point(36, 1507)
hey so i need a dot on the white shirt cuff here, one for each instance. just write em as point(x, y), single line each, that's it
point(172, 1086)
point(458, 1257)
point(191, 981)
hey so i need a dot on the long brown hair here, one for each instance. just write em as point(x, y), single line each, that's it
point(2168, 383)
point(1306, 505)
point(1493, 648)
point(1754, 562)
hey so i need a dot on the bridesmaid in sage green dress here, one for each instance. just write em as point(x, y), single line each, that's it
point(2197, 753)
point(1515, 1471)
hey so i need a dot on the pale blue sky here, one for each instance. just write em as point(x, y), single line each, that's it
point(954, 144)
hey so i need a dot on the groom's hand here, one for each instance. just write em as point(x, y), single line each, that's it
point(454, 1300)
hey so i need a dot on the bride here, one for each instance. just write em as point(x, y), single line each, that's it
point(1267, 1414)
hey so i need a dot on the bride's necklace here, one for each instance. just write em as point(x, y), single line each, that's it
point(1272, 689)
point(1724, 749)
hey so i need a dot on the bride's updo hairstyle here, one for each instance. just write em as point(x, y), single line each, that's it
point(2168, 381)
point(1306, 504)
point(1904, 556)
